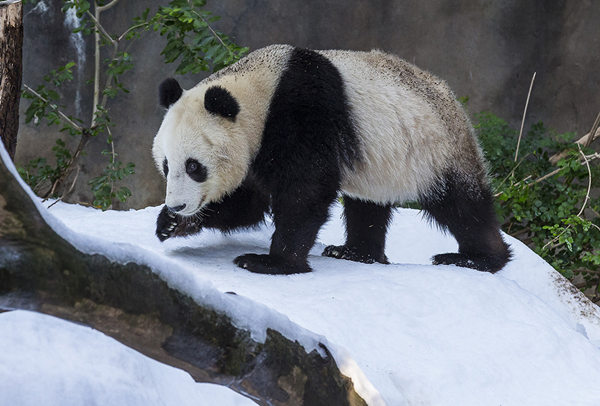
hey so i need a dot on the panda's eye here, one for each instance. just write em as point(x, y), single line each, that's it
point(196, 170)
point(165, 167)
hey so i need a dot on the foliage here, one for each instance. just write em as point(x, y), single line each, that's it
point(547, 205)
point(190, 39)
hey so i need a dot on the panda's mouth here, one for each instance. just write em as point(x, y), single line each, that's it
point(196, 210)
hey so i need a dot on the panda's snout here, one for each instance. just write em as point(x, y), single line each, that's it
point(176, 209)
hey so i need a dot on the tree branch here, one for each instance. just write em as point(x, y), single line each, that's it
point(107, 6)
point(99, 26)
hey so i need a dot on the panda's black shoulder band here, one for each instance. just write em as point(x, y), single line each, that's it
point(218, 100)
point(169, 92)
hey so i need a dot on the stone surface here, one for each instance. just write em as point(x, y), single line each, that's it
point(486, 50)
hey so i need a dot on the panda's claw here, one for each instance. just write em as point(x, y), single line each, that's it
point(166, 223)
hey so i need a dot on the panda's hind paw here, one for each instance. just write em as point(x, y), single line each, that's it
point(271, 265)
point(483, 263)
point(351, 254)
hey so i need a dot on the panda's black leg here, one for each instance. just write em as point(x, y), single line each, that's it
point(466, 209)
point(297, 223)
point(244, 208)
point(366, 226)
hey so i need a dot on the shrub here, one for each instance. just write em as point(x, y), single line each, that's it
point(547, 198)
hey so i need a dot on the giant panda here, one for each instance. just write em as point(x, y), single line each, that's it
point(285, 130)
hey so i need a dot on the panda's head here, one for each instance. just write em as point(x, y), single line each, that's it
point(199, 148)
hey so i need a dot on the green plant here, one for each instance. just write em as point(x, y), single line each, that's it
point(190, 40)
point(547, 197)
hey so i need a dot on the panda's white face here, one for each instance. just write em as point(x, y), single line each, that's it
point(183, 156)
point(200, 153)
point(218, 125)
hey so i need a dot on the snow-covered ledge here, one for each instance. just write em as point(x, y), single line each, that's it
point(405, 333)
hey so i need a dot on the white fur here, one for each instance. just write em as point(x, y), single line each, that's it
point(225, 147)
point(406, 143)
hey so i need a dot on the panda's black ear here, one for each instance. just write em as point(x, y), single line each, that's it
point(217, 100)
point(169, 92)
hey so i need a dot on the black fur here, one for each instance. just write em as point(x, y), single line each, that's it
point(308, 136)
point(366, 226)
point(196, 170)
point(218, 100)
point(165, 167)
point(169, 92)
point(466, 210)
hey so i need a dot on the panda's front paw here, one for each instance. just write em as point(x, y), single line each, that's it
point(268, 264)
point(166, 223)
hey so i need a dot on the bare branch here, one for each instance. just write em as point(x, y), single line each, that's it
point(589, 188)
point(107, 6)
point(524, 114)
point(586, 140)
point(595, 126)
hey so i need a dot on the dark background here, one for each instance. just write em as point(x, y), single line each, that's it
point(486, 50)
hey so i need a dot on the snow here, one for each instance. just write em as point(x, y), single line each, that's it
point(408, 333)
point(48, 361)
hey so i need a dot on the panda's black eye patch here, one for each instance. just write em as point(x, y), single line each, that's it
point(196, 170)
point(165, 167)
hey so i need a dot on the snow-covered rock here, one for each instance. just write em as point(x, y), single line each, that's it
point(408, 333)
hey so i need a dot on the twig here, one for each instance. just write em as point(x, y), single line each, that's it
point(107, 6)
point(54, 202)
point(85, 137)
point(120, 37)
point(109, 77)
point(214, 33)
point(524, 114)
point(590, 157)
point(55, 108)
point(556, 238)
point(585, 140)
point(100, 27)
point(587, 194)
point(593, 131)
point(585, 201)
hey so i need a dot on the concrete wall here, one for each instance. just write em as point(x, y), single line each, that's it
point(485, 49)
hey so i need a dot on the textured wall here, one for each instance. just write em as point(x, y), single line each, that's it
point(485, 50)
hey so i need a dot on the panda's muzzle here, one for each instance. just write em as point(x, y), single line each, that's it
point(176, 209)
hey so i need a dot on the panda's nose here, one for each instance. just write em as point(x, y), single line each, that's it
point(176, 208)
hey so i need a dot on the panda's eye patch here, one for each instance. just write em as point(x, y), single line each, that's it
point(196, 170)
point(165, 167)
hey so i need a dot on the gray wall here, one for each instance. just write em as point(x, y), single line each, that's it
point(485, 50)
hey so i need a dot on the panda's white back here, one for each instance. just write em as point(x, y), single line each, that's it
point(406, 142)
